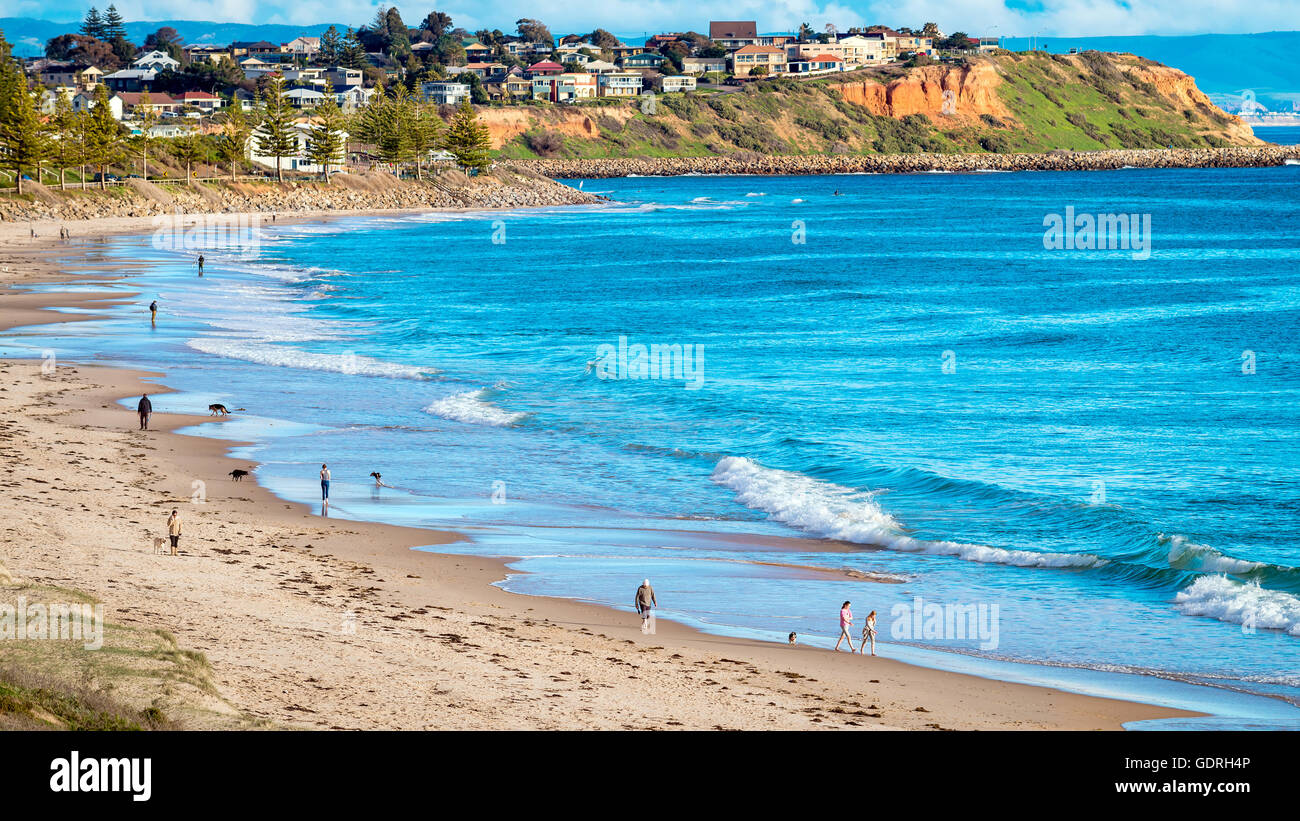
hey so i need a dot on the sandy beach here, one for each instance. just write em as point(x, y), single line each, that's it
point(292, 620)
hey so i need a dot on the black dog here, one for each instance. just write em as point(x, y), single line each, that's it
point(219, 409)
point(238, 474)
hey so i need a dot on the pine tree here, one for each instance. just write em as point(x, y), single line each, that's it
point(235, 134)
point(325, 141)
point(354, 54)
point(398, 115)
point(114, 25)
point(331, 46)
point(103, 135)
point(426, 135)
point(276, 136)
point(468, 140)
point(189, 150)
point(93, 25)
point(23, 137)
point(147, 116)
point(64, 130)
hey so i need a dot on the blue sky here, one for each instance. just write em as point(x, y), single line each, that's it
point(982, 17)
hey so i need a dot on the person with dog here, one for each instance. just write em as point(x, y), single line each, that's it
point(846, 621)
point(145, 409)
point(645, 605)
point(325, 484)
point(174, 529)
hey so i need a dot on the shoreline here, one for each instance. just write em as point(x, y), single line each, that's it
point(821, 164)
point(267, 656)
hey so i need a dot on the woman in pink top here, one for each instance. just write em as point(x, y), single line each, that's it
point(846, 621)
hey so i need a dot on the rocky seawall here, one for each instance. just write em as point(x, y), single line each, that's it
point(503, 188)
point(1234, 157)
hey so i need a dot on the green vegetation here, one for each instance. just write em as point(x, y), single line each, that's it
point(138, 679)
point(1079, 102)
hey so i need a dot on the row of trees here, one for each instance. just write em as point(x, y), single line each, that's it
point(403, 131)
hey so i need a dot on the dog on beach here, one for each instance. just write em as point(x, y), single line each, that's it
point(379, 480)
point(237, 474)
point(794, 638)
point(218, 409)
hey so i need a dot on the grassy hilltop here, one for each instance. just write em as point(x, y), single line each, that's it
point(1003, 103)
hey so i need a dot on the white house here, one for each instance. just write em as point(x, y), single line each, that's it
point(304, 98)
point(301, 133)
point(445, 93)
point(156, 61)
point(254, 68)
point(682, 82)
point(304, 46)
point(620, 84)
point(85, 102)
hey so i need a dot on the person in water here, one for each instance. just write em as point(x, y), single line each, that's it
point(325, 484)
point(846, 621)
point(869, 633)
point(200, 264)
point(144, 408)
point(153, 312)
point(645, 605)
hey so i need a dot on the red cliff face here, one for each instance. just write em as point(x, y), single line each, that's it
point(973, 92)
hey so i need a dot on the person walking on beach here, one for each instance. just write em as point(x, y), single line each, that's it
point(645, 605)
point(145, 409)
point(153, 312)
point(174, 529)
point(200, 264)
point(869, 633)
point(846, 621)
point(325, 484)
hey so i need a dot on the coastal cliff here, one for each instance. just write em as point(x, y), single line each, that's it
point(1000, 104)
point(503, 188)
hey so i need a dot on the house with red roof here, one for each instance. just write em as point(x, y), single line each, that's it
point(206, 103)
point(545, 68)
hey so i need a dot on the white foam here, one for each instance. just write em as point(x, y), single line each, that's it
point(1188, 555)
point(834, 512)
point(286, 357)
point(1246, 604)
point(471, 408)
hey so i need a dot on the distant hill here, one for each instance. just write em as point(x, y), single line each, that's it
point(29, 35)
point(1223, 65)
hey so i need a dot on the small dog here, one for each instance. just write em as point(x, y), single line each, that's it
point(218, 409)
point(237, 474)
point(794, 638)
point(379, 480)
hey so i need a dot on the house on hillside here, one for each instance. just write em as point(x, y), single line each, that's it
point(306, 98)
point(703, 65)
point(745, 60)
point(130, 79)
point(545, 68)
point(820, 64)
point(444, 93)
point(733, 34)
point(306, 47)
point(206, 103)
point(301, 133)
point(85, 101)
point(565, 88)
point(254, 67)
point(65, 73)
point(646, 59)
point(133, 103)
point(156, 61)
point(680, 82)
point(620, 84)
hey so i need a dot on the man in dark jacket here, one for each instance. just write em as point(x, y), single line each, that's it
point(144, 409)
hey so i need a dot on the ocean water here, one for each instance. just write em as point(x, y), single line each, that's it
point(1280, 134)
point(1095, 450)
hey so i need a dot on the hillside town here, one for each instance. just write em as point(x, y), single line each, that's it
point(169, 90)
